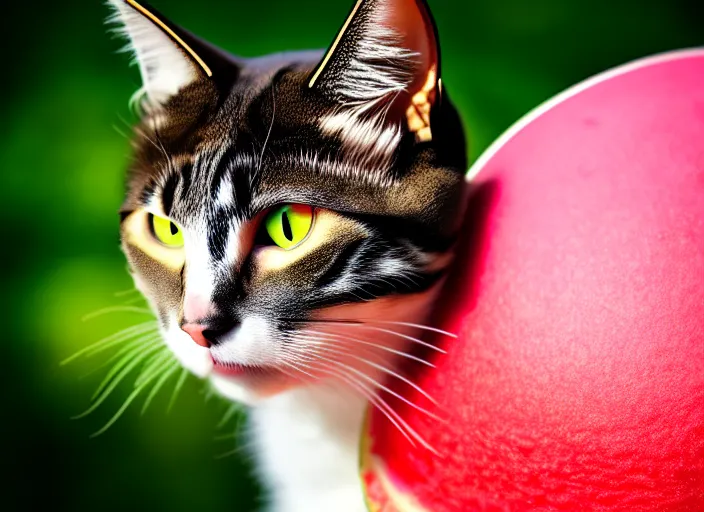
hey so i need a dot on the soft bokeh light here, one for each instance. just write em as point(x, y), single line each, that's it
point(63, 151)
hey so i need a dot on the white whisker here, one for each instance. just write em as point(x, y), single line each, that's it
point(417, 326)
point(117, 309)
point(229, 414)
point(368, 321)
point(113, 339)
point(115, 381)
point(373, 345)
point(154, 365)
point(297, 368)
point(177, 388)
point(370, 393)
point(134, 350)
point(374, 382)
point(169, 370)
point(126, 292)
point(400, 335)
point(125, 405)
point(374, 399)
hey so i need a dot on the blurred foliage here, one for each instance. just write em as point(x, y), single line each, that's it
point(63, 150)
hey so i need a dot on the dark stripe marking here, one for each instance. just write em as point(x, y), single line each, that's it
point(340, 264)
point(218, 229)
point(168, 192)
point(186, 179)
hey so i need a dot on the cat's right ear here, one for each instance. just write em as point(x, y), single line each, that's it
point(383, 71)
point(169, 58)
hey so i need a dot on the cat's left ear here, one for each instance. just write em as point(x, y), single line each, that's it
point(385, 62)
point(169, 58)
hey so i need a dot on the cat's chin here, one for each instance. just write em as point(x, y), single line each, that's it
point(251, 389)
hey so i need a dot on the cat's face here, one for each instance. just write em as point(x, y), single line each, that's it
point(289, 216)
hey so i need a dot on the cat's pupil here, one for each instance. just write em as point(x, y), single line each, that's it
point(286, 225)
point(173, 227)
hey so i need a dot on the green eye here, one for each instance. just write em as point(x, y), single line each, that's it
point(167, 232)
point(289, 225)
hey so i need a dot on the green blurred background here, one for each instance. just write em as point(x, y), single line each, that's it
point(62, 156)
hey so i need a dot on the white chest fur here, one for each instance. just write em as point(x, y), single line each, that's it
point(306, 443)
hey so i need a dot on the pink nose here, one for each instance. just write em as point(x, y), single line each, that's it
point(195, 331)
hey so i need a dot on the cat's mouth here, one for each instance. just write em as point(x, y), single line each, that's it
point(237, 370)
point(249, 383)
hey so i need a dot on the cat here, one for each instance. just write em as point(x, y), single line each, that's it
point(290, 220)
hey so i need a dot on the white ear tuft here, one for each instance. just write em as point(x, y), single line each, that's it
point(378, 68)
point(382, 72)
point(166, 62)
point(368, 61)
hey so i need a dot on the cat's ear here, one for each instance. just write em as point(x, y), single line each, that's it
point(385, 61)
point(169, 58)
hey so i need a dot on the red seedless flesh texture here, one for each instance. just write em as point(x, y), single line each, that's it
point(577, 381)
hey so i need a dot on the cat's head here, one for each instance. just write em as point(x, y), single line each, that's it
point(289, 217)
